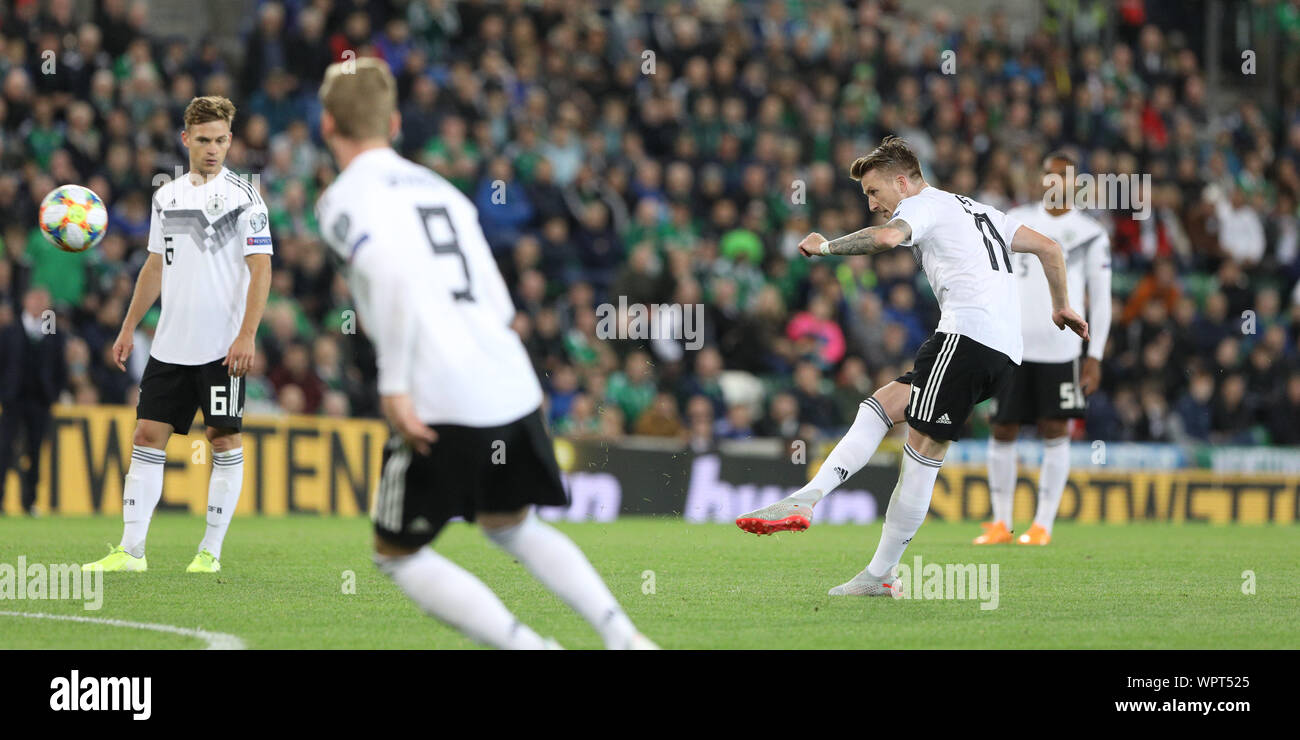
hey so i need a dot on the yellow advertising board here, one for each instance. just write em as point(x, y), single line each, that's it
point(291, 464)
point(320, 465)
point(1117, 496)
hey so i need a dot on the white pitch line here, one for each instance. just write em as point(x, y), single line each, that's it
point(215, 640)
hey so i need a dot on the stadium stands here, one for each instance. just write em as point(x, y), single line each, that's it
point(678, 157)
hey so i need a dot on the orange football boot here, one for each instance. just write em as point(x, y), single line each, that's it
point(1035, 536)
point(995, 533)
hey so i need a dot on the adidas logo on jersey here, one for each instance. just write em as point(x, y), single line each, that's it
point(943, 420)
point(842, 474)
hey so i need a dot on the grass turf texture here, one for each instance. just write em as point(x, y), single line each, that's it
point(1136, 586)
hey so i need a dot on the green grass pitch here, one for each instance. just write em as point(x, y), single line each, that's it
point(1134, 587)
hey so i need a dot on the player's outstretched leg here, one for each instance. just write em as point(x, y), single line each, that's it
point(140, 495)
point(557, 562)
point(1002, 484)
point(876, 417)
point(455, 596)
point(910, 502)
point(224, 484)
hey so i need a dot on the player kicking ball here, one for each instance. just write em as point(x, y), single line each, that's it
point(210, 259)
point(454, 379)
point(962, 246)
point(1049, 389)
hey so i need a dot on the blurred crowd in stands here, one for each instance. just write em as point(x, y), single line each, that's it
point(676, 153)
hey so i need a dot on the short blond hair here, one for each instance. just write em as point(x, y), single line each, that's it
point(209, 108)
point(893, 155)
point(361, 95)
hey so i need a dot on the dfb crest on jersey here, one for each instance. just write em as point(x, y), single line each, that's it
point(216, 205)
point(257, 222)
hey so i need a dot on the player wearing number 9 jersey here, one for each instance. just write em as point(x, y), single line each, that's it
point(964, 248)
point(455, 381)
point(428, 292)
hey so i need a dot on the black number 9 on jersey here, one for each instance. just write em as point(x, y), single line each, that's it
point(441, 234)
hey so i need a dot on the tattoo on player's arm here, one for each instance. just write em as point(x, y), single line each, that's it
point(868, 240)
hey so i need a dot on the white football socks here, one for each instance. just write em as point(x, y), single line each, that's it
point(140, 495)
point(226, 480)
point(554, 560)
point(908, 506)
point(1002, 479)
point(1051, 480)
point(454, 595)
point(851, 453)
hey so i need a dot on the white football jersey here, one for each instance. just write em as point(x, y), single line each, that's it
point(1087, 264)
point(964, 248)
point(203, 233)
point(428, 292)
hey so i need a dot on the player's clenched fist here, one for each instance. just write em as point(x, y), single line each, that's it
point(812, 244)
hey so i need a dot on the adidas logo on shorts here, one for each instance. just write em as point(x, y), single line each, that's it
point(841, 473)
point(943, 420)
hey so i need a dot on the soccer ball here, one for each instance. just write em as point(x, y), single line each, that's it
point(73, 218)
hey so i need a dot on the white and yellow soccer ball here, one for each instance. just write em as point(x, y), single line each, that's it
point(73, 218)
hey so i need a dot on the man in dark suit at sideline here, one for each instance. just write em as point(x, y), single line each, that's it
point(32, 374)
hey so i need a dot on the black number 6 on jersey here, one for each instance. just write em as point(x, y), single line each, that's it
point(441, 234)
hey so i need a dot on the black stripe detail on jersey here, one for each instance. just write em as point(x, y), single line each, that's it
point(248, 189)
point(921, 458)
point(239, 182)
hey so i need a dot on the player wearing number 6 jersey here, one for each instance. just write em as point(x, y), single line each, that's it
point(210, 259)
point(1050, 386)
point(964, 248)
point(455, 380)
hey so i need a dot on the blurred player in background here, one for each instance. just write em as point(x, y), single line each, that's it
point(455, 380)
point(33, 372)
point(962, 246)
point(1049, 388)
point(210, 259)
